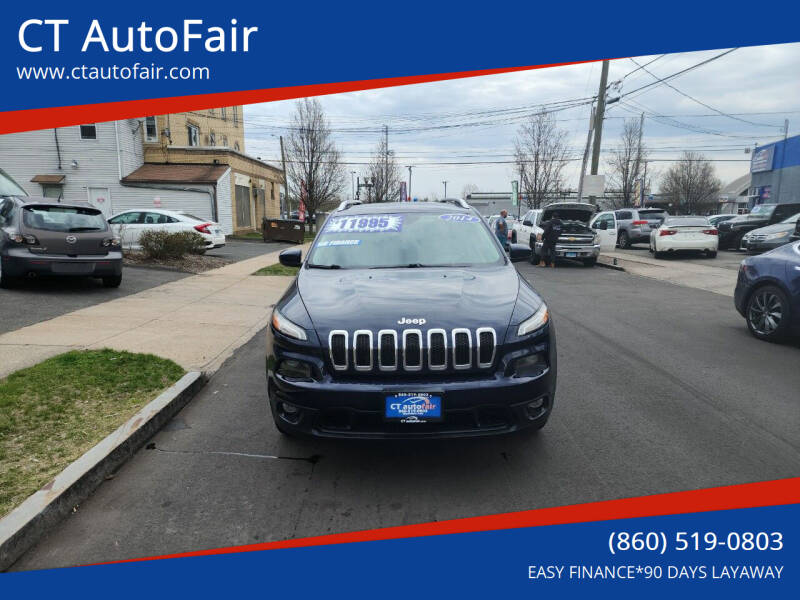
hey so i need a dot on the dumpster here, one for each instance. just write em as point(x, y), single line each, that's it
point(283, 230)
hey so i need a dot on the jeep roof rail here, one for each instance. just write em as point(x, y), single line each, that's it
point(348, 203)
point(457, 202)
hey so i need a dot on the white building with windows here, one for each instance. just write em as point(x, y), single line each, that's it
point(131, 164)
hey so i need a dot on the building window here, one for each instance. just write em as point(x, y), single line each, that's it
point(211, 112)
point(193, 134)
point(224, 113)
point(235, 116)
point(225, 140)
point(89, 132)
point(212, 139)
point(150, 129)
point(236, 146)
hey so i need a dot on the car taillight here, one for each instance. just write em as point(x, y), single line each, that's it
point(23, 238)
point(664, 232)
point(639, 223)
point(203, 228)
point(710, 231)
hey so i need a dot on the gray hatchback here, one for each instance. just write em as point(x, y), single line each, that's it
point(41, 236)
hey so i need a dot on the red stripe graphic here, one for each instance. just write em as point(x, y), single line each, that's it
point(768, 493)
point(62, 116)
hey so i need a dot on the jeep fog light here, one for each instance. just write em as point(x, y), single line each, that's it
point(529, 366)
point(295, 369)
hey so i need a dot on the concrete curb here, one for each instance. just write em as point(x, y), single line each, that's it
point(30, 521)
point(610, 265)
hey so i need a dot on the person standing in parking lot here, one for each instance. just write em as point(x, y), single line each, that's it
point(501, 229)
point(550, 234)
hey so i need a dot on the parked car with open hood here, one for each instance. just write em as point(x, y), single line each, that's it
point(577, 241)
point(732, 231)
point(771, 236)
point(767, 293)
point(408, 320)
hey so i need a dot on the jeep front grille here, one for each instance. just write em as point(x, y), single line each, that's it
point(412, 349)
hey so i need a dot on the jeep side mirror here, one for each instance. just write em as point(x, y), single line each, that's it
point(292, 257)
point(519, 252)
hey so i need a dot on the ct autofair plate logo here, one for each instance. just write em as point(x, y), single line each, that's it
point(410, 321)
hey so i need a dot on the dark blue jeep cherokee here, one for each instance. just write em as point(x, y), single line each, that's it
point(409, 321)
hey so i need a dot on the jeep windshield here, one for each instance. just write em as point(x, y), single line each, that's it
point(398, 240)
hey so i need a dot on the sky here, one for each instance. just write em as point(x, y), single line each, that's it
point(474, 121)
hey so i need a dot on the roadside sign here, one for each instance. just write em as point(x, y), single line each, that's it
point(594, 185)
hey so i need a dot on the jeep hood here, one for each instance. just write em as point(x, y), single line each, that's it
point(378, 298)
point(569, 211)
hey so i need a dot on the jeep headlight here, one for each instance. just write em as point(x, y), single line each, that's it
point(286, 327)
point(534, 322)
point(777, 236)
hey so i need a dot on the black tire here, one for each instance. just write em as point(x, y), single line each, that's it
point(112, 282)
point(623, 241)
point(6, 281)
point(711, 254)
point(513, 237)
point(768, 314)
point(535, 258)
point(589, 262)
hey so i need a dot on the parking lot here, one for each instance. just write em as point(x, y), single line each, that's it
point(725, 259)
point(37, 300)
point(661, 388)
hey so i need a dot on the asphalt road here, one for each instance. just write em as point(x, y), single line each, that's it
point(661, 388)
point(36, 300)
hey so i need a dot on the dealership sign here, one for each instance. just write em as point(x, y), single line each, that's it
point(762, 159)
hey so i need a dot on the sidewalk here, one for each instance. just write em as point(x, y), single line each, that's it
point(719, 280)
point(197, 321)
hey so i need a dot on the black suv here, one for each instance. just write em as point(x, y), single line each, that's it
point(41, 236)
point(409, 321)
point(732, 231)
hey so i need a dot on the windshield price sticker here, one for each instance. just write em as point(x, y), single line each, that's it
point(460, 218)
point(327, 243)
point(365, 224)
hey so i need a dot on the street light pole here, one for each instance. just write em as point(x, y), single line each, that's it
point(353, 185)
point(409, 167)
point(445, 188)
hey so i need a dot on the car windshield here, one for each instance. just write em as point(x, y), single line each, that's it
point(395, 240)
point(63, 218)
point(763, 210)
point(686, 222)
point(792, 219)
point(9, 187)
point(652, 215)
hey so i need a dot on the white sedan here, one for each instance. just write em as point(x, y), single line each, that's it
point(130, 224)
point(678, 234)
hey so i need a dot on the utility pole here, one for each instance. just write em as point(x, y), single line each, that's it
point(409, 167)
point(285, 178)
point(586, 154)
point(353, 185)
point(598, 120)
point(445, 188)
point(638, 158)
point(385, 191)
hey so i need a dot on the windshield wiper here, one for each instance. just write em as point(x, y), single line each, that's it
point(316, 266)
point(76, 229)
point(420, 266)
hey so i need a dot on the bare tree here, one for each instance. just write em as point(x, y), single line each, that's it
point(540, 151)
point(315, 172)
point(626, 164)
point(384, 174)
point(468, 189)
point(691, 184)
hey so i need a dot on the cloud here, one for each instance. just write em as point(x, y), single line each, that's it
point(482, 114)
